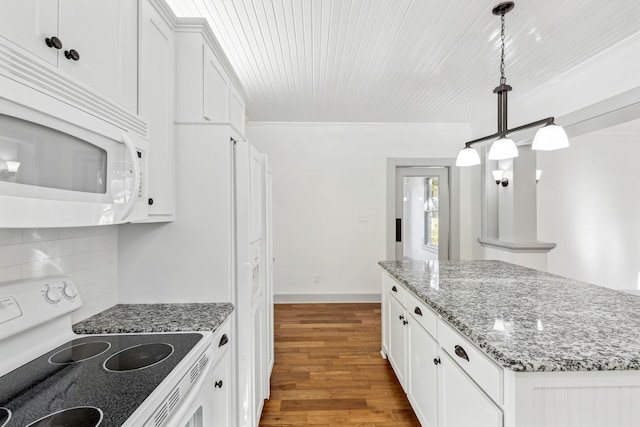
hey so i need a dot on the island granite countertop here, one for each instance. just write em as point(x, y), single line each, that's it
point(131, 318)
point(528, 320)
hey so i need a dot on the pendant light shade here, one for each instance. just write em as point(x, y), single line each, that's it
point(502, 149)
point(468, 157)
point(550, 137)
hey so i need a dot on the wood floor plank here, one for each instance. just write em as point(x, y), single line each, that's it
point(328, 370)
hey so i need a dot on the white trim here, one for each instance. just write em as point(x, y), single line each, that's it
point(324, 298)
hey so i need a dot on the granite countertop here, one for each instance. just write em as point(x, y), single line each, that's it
point(130, 318)
point(528, 320)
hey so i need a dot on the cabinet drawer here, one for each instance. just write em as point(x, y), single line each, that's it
point(423, 314)
point(221, 341)
point(476, 364)
point(395, 289)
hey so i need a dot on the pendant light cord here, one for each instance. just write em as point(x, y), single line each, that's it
point(503, 79)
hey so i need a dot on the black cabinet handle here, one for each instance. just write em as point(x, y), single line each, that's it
point(53, 42)
point(404, 322)
point(150, 201)
point(461, 353)
point(394, 289)
point(72, 54)
point(436, 361)
point(218, 384)
point(401, 317)
point(417, 311)
point(223, 340)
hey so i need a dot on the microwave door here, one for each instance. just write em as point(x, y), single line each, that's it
point(128, 181)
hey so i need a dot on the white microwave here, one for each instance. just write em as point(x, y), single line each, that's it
point(54, 173)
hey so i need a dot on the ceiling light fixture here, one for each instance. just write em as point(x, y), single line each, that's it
point(549, 137)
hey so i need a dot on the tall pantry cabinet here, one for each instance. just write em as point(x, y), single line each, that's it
point(211, 236)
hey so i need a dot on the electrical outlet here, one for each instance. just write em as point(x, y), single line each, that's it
point(316, 279)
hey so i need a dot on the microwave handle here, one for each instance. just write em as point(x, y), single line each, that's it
point(131, 148)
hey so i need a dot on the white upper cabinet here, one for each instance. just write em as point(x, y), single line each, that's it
point(156, 88)
point(216, 89)
point(94, 42)
point(209, 90)
point(236, 110)
point(28, 23)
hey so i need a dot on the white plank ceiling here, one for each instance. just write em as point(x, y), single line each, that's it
point(403, 61)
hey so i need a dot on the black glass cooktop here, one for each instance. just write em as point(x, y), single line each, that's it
point(69, 386)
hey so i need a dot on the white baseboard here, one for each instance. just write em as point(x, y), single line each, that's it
point(324, 298)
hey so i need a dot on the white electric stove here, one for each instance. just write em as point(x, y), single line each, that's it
point(50, 376)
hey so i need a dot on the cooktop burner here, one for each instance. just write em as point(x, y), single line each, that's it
point(82, 416)
point(79, 352)
point(138, 357)
point(5, 414)
point(53, 391)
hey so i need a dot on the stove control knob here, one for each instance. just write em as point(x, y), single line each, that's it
point(52, 295)
point(69, 291)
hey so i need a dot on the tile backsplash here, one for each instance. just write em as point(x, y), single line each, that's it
point(89, 255)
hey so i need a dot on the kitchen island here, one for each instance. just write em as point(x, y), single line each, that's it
point(496, 344)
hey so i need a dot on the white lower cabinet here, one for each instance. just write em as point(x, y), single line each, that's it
point(441, 393)
point(222, 393)
point(223, 396)
point(423, 381)
point(397, 338)
point(461, 402)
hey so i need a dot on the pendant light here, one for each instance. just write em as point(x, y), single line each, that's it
point(549, 137)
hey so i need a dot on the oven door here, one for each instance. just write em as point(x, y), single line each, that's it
point(58, 174)
point(194, 409)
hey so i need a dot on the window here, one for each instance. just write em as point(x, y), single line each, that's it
point(431, 212)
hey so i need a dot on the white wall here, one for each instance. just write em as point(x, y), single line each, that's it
point(326, 176)
point(88, 255)
point(588, 204)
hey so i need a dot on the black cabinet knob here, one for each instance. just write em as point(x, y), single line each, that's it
point(394, 289)
point(218, 384)
point(150, 201)
point(53, 42)
point(401, 317)
point(418, 311)
point(436, 361)
point(461, 353)
point(404, 322)
point(223, 340)
point(72, 54)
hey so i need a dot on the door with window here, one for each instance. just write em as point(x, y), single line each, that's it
point(422, 213)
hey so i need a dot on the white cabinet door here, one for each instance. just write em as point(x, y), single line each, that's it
point(222, 402)
point(256, 194)
point(104, 33)
point(422, 376)
point(258, 359)
point(215, 89)
point(462, 403)
point(156, 106)
point(397, 339)
point(28, 23)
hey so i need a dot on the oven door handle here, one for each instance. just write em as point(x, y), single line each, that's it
point(192, 395)
point(133, 153)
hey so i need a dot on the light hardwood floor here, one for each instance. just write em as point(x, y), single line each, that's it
point(328, 370)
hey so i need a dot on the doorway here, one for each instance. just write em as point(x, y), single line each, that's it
point(422, 213)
